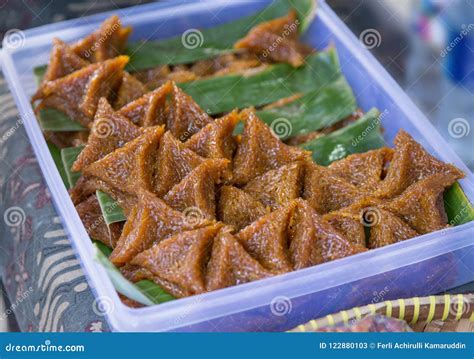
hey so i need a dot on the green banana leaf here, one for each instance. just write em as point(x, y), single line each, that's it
point(365, 135)
point(202, 44)
point(145, 292)
point(56, 154)
point(320, 75)
point(53, 120)
point(106, 251)
point(315, 110)
point(224, 93)
point(39, 73)
point(68, 157)
point(277, 82)
point(154, 291)
point(57, 121)
point(360, 136)
point(111, 211)
point(457, 206)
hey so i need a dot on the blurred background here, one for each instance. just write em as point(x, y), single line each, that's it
point(426, 45)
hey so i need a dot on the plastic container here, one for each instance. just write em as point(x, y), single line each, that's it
point(421, 266)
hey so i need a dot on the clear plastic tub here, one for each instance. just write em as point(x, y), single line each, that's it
point(424, 265)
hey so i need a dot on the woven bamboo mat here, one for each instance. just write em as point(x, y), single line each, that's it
point(441, 313)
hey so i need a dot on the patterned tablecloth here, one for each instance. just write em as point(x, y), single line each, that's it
point(41, 275)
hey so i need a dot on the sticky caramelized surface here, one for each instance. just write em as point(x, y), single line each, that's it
point(130, 89)
point(314, 240)
point(91, 215)
point(364, 170)
point(63, 61)
point(191, 227)
point(197, 191)
point(421, 205)
point(178, 262)
point(174, 162)
point(105, 43)
point(148, 109)
point(129, 168)
point(231, 264)
point(348, 222)
point(215, 140)
point(185, 116)
point(266, 239)
point(151, 221)
point(326, 191)
point(110, 130)
point(276, 40)
point(388, 229)
point(205, 208)
point(411, 163)
point(277, 187)
point(260, 151)
point(237, 208)
point(78, 93)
